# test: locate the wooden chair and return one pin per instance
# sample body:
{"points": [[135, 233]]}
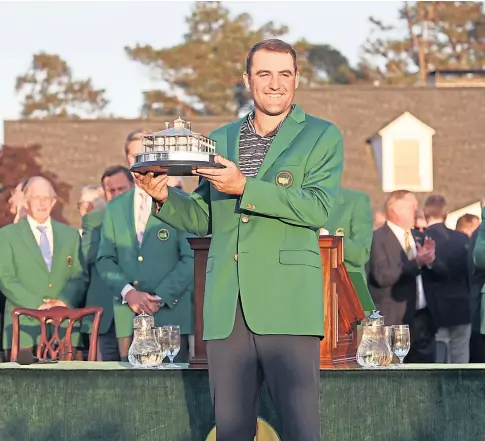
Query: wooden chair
{"points": [[56, 346]]}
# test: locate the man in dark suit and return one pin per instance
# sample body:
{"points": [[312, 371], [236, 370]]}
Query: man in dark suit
{"points": [[450, 291], [399, 266]]}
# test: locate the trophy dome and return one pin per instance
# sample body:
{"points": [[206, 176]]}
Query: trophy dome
{"points": [[178, 138]]}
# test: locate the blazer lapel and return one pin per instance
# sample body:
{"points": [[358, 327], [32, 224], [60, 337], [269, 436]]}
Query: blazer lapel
{"points": [[58, 257], [150, 229], [30, 242], [233, 132], [130, 207], [285, 136]]}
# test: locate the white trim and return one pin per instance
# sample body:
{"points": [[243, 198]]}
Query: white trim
{"points": [[405, 127]]}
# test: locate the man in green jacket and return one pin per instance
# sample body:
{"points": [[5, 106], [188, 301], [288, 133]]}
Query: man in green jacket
{"points": [[352, 217], [141, 259], [115, 181], [40, 263], [263, 305]]}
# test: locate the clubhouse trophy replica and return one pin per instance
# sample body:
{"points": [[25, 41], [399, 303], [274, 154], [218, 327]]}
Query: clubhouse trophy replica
{"points": [[175, 151]]}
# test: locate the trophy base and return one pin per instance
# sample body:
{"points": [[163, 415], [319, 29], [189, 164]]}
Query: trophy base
{"points": [[172, 168], [173, 163]]}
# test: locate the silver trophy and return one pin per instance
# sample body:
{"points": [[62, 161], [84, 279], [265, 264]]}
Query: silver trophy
{"points": [[175, 151]]}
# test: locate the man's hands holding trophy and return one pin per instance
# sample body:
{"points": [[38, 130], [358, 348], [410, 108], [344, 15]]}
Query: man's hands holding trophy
{"points": [[228, 179]]}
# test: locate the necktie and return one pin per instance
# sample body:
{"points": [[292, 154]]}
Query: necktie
{"points": [[408, 245], [143, 215], [45, 247]]}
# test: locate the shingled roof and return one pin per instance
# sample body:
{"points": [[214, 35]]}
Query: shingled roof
{"points": [[78, 151], [456, 114]]}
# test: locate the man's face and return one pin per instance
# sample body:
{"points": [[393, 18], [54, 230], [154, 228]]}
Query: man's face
{"points": [[273, 81], [40, 201], [132, 149], [115, 185], [407, 210], [84, 207], [16, 199]]}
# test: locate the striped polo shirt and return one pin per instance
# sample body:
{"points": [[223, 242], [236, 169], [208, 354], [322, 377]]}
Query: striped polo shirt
{"points": [[253, 147]]}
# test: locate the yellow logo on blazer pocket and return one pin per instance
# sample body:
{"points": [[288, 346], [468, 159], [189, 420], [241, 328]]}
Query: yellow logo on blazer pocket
{"points": [[284, 179]]}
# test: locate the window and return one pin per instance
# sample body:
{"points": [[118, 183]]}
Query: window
{"points": [[407, 155], [403, 152]]}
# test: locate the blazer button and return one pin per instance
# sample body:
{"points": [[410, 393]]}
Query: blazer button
{"points": [[50, 285], [136, 283], [245, 219], [140, 258], [175, 301], [235, 257]]}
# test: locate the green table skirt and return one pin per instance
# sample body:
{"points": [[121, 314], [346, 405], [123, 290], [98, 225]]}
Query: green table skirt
{"points": [[82, 401]]}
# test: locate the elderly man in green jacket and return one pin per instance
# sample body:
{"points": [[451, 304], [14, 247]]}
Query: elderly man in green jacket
{"points": [[263, 306], [352, 217], [40, 263]]}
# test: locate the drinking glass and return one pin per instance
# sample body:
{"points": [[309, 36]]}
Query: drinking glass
{"points": [[389, 331], [163, 344], [401, 342], [172, 338]]}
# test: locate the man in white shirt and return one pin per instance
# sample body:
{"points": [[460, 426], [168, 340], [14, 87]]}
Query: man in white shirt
{"points": [[401, 268], [39, 262]]}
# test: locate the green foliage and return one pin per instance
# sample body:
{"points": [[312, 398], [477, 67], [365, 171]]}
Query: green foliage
{"points": [[438, 35], [203, 71], [49, 90]]}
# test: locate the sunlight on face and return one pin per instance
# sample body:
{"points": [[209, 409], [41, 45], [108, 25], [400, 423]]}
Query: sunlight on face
{"points": [[40, 200], [132, 149], [272, 81]]}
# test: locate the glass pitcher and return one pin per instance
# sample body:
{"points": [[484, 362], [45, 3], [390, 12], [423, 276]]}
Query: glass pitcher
{"points": [[143, 321], [374, 350], [145, 351]]}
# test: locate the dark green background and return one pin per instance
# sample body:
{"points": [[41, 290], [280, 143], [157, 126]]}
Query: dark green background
{"points": [[445, 404]]}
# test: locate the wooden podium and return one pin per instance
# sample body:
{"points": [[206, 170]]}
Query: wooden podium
{"points": [[343, 311]]}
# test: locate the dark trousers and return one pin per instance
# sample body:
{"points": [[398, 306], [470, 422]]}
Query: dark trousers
{"points": [[289, 364], [477, 348], [124, 344], [423, 338], [108, 345]]}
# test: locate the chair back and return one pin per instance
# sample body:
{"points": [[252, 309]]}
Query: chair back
{"points": [[56, 347]]}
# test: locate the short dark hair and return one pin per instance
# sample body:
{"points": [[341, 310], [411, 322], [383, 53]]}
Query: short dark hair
{"points": [[435, 207], [465, 220], [270, 45], [114, 170], [134, 136]]}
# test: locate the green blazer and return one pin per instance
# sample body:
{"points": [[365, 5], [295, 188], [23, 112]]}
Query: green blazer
{"points": [[25, 280], [479, 261], [163, 265], [98, 291], [264, 244], [353, 213]]}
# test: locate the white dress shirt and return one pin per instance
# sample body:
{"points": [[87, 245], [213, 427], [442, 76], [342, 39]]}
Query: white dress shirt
{"points": [[400, 234], [50, 236], [138, 196]]}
